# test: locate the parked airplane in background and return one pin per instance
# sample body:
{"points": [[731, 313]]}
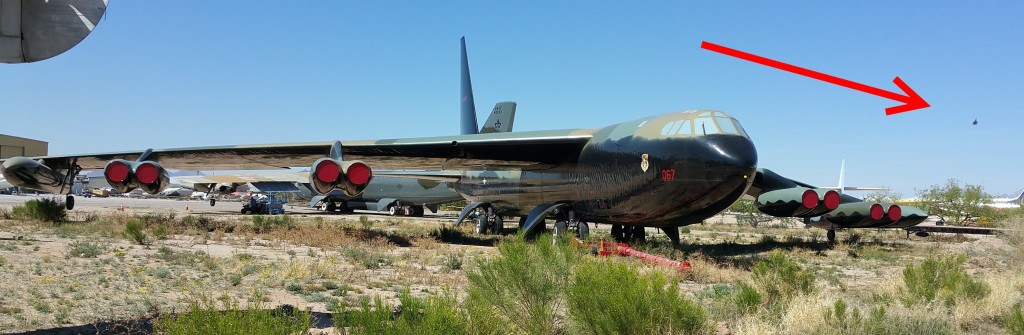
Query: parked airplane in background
{"points": [[1007, 202], [175, 192], [32, 31], [663, 171]]}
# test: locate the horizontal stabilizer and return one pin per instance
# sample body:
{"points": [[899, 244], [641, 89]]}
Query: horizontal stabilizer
{"points": [[501, 118]]}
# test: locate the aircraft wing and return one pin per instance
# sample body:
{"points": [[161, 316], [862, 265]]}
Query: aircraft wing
{"points": [[297, 177], [527, 150]]}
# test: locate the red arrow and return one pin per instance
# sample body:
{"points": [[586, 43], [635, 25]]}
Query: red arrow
{"points": [[911, 100]]}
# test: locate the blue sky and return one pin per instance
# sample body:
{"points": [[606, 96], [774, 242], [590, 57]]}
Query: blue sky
{"points": [[175, 74]]}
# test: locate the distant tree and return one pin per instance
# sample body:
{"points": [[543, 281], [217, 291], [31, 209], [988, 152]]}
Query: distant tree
{"points": [[953, 202], [887, 196], [747, 213]]}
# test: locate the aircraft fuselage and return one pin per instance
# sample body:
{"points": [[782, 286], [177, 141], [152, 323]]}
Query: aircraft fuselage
{"points": [[645, 172]]}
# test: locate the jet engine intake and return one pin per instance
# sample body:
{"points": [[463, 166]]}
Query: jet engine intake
{"points": [[797, 202], [349, 176], [125, 176]]}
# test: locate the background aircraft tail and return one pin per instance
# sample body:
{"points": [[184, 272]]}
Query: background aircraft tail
{"points": [[501, 118], [843, 188], [467, 106]]}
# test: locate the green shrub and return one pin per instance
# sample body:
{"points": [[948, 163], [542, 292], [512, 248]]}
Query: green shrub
{"points": [[431, 315], [162, 273], [524, 283], [160, 232], [452, 262], [265, 224], [1014, 321], [84, 249], [204, 317], [843, 319], [943, 279], [780, 279], [200, 223], [43, 209], [133, 230], [746, 297], [607, 297]]}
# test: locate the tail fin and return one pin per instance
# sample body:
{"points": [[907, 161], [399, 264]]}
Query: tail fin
{"points": [[467, 106], [842, 173], [842, 188], [501, 118], [1020, 197]]}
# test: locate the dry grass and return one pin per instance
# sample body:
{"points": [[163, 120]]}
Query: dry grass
{"points": [[225, 255]]}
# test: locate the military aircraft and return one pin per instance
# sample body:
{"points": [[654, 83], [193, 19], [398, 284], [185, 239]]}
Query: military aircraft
{"points": [[663, 171], [397, 196], [32, 31]]}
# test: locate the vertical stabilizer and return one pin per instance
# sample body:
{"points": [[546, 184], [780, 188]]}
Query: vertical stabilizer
{"points": [[501, 118], [467, 107], [842, 173]]}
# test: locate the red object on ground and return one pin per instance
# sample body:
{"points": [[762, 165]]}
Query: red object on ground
{"points": [[623, 249]]}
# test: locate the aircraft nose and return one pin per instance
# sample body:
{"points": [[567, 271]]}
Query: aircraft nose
{"points": [[731, 152]]}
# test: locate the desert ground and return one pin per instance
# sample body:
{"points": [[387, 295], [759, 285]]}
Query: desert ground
{"points": [[86, 275]]}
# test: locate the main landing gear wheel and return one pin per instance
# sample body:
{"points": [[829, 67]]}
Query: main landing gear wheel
{"points": [[617, 233], [392, 210], [213, 202], [481, 225], [582, 230], [331, 206], [831, 235], [69, 202], [499, 225], [560, 228]]}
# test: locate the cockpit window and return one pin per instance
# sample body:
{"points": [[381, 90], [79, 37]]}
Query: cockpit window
{"points": [[703, 123], [726, 125], [740, 128], [686, 129], [705, 126]]}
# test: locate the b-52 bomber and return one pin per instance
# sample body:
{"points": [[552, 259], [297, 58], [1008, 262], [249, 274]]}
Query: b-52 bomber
{"points": [[663, 171]]}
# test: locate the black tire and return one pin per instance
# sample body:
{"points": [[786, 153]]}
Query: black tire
{"points": [[69, 202], [244, 210], [213, 201], [417, 211], [331, 207], [831, 235], [639, 234], [499, 225], [561, 228], [618, 234], [481, 225], [582, 230]]}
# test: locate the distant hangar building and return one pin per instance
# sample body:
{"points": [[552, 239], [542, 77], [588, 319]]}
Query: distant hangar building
{"points": [[13, 146]]}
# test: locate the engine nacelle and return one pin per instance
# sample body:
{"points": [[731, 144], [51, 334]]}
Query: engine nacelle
{"points": [[328, 174], [856, 214], [797, 202], [26, 173], [907, 216], [125, 176]]}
